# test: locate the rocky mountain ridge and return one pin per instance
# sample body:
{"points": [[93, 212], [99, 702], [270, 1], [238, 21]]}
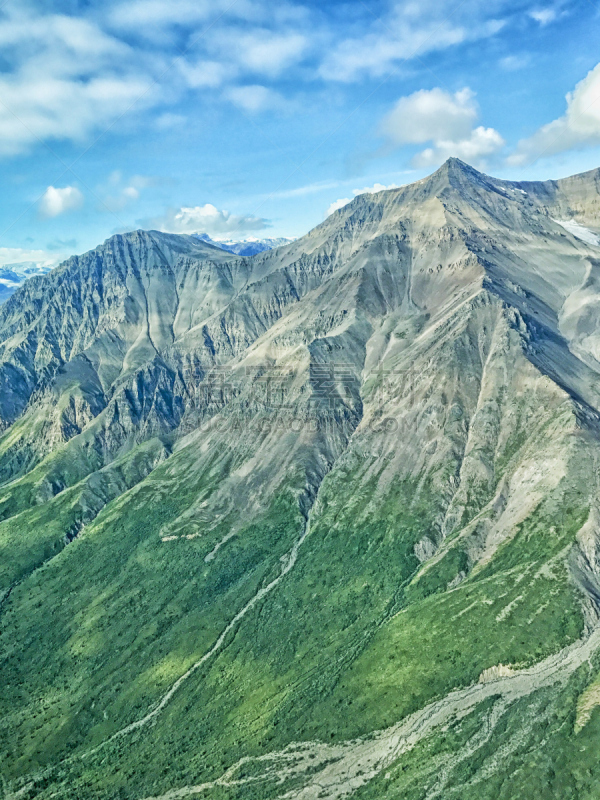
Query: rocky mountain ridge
{"points": [[304, 501]]}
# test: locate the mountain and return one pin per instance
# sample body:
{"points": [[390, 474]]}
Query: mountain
{"points": [[14, 275], [245, 247], [318, 523]]}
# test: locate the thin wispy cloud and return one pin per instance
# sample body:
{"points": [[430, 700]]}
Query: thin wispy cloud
{"points": [[407, 31], [254, 98], [544, 15], [120, 192]]}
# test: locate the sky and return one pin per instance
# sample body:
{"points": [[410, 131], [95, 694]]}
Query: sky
{"points": [[254, 118]]}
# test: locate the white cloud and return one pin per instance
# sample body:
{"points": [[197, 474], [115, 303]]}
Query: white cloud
{"points": [[515, 62], [265, 52], [168, 120], [544, 15], [430, 114], [578, 127], [300, 191], [58, 201], [482, 143], [254, 98], [446, 120], [66, 77], [407, 31], [18, 255], [205, 74], [63, 77], [119, 201], [375, 54], [119, 193], [205, 219], [154, 16], [377, 187], [343, 201]]}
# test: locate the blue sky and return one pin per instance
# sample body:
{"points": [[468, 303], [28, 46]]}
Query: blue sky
{"points": [[253, 118]]}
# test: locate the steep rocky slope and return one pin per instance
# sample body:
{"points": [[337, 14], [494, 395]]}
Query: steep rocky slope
{"points": [[318, 523]]}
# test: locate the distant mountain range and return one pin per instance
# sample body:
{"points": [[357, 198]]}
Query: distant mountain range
{"points": [[323, 522], [12, 276], [243, 247]]}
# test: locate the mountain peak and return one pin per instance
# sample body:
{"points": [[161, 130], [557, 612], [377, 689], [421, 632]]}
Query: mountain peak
{"points": [[456, 163], [456, 175], [455, 168]]}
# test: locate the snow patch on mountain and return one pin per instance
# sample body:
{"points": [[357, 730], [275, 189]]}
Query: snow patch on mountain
{"points": [[244, 247], [578, 230], [12, 276]]}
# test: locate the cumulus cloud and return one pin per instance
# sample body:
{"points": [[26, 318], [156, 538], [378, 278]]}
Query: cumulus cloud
{"points": [[340, 203], [479, 145], [343, 201], [430, 115], [377, 187], [59, 201], [446, 120], [205, 219], [578, 127]]}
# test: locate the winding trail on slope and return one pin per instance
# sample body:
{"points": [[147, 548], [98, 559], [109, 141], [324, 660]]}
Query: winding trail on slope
{"points": [[343, 768]]}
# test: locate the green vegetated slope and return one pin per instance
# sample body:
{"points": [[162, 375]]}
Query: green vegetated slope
{"points": [[355, 638], [393, 597]]}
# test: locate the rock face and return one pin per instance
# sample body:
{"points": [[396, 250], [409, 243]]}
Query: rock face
{"points": [[273, 525]]}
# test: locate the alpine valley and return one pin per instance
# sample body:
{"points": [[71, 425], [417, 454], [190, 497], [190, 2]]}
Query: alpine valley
{"points": [[322, 522]]}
